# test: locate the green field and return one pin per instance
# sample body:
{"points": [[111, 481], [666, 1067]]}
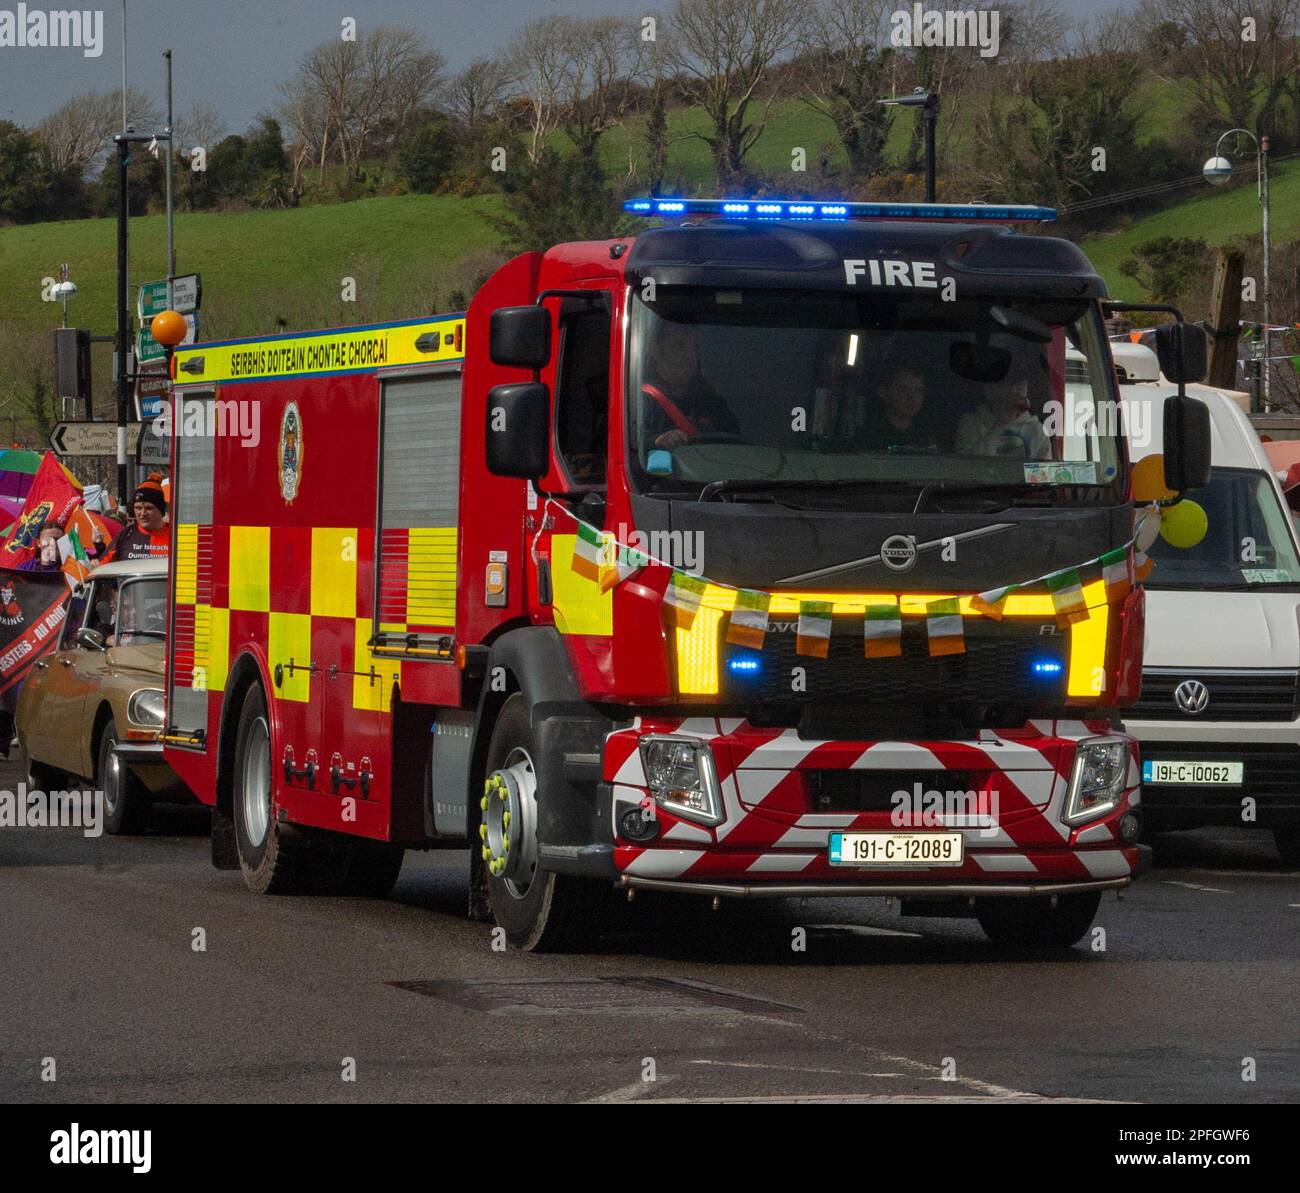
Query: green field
{"points": [[1213, 215], [260, 269]]}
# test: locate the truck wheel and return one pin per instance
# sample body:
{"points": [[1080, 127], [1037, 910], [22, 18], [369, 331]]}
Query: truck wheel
{"points": [[373, 867], [540, 911], [126, 802], [1287, 839], [271, 864], [1035, 923]]}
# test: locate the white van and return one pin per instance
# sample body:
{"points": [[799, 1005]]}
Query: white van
{"points": [[1219, 719]]}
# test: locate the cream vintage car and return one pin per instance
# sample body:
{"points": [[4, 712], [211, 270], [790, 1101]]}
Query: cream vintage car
{"points": [[92, 709]]}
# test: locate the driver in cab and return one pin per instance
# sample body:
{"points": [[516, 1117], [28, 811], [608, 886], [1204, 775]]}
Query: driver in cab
{"points": [[680, 405]]}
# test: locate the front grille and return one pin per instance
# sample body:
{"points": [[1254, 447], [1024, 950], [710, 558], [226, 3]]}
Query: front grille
{"points": [[996, 668], [1233, 695], [1269, 769], [877, 790]]}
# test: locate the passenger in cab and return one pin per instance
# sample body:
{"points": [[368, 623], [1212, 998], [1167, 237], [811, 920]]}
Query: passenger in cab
{"points": [[1004, 425]]}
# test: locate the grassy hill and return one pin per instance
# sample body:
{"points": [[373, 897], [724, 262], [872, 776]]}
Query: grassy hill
{"points": [[259, 267], [1215, 216]]}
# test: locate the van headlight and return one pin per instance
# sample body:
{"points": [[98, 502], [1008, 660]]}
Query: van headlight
{"points": [[1097, 780], [146, 708], [682, 778]]}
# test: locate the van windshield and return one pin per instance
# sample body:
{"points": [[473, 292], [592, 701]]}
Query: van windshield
{"points": [[754, 388], [1247, 542]]}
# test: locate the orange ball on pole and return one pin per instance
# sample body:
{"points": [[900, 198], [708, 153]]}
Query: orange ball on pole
{"points": [[168, 328]]}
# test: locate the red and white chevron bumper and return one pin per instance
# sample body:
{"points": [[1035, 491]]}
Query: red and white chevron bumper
{"points": [[777, 815]]}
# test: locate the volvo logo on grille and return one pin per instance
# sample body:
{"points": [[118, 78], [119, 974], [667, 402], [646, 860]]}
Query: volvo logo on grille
{"points": [[898, 552], [1191, 696]]}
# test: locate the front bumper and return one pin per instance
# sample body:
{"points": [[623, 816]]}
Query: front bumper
{"points": [[773, 839], [1269, 752]]}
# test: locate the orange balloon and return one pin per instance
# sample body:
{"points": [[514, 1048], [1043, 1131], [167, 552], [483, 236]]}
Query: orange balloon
{"points": [[1149, 479], [168, 328]]}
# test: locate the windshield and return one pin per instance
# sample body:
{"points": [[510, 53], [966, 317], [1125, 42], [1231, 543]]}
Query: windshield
{"points": [[141, 612], [776, 388], [1247, 542]]}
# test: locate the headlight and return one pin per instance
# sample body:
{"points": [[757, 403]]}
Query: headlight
{"points": [[1097, 781], [146, 708], [681, 776]]}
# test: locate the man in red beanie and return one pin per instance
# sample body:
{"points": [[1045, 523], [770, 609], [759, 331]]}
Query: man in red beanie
{"points": [[148, 537]]}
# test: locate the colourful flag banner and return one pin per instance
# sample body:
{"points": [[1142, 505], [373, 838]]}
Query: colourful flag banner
{"points": [[993, 602], [1067, 597], [53, 496], [682, 599], [748, 623], [591, 552], [76, 563], [943, 623], [813, 636], [882, 632], [629, 561], [1116, 574]]}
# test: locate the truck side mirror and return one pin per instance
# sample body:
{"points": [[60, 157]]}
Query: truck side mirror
{"points": [[1182, 351], [518, 430], [1187, 443], [520, 337]]}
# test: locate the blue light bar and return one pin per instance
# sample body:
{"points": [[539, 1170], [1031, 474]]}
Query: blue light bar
{"points": [[742, 665], [805, 209], [1048, 667]]}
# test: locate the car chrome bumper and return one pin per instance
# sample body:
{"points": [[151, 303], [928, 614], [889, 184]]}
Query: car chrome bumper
{"points": [[136, 753]]}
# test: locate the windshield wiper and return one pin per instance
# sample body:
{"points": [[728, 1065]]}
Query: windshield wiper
{"points": [[762, 485], [1015, 489]]}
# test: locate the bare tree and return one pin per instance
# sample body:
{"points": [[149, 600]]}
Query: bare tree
{"points": [[1237, 56], [201, 125], [537, 57], [599, 61], [476, 94], [76, 133], [845, 57], [725, 50], [345, 92]]}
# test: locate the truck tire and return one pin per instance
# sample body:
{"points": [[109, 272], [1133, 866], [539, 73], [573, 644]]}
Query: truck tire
{"points": [[1287, 839], [372, 868], [271, 864], [539, 910], [1035, 923], [126, 802]]}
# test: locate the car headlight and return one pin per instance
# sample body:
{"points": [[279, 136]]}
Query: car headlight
{"points": [[682, 778], [1097, 780], [146, 707]]}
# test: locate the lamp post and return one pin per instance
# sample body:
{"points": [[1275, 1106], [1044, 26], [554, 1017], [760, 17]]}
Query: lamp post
{"points": [[1217, 171], [928, 102]]}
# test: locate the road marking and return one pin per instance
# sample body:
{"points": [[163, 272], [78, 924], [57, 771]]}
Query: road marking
{"points": [[629, 1093], [1196, 886]]}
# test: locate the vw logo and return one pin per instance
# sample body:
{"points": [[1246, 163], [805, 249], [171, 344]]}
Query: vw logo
{"points": [[898, 552], [1191, 696]]}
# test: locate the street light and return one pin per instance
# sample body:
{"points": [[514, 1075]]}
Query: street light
{"points": [[1217, 171], [928, 102]]}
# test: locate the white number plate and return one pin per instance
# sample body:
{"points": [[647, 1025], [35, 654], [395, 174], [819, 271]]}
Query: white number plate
{"points": [[913, 851], [1200, 774]]}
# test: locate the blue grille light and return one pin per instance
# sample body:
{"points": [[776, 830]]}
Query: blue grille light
{"points": [[742, 665], [1048, 667], [769, 209]]}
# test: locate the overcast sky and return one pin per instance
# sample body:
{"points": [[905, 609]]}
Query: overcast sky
{"points": [[233, 53]]}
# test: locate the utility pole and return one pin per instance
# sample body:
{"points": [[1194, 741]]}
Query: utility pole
{"points": [[171, 237], [124, 357]]}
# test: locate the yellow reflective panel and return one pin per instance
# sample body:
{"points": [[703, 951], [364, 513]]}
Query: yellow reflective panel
{"points": [[580, 607], [1088, 645]]}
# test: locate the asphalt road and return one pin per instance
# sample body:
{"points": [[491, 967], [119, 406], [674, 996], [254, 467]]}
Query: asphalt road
{"points": [[99, 972]]}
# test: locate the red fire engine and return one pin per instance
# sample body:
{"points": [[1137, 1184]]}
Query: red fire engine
{"points": [[783, 550]]}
